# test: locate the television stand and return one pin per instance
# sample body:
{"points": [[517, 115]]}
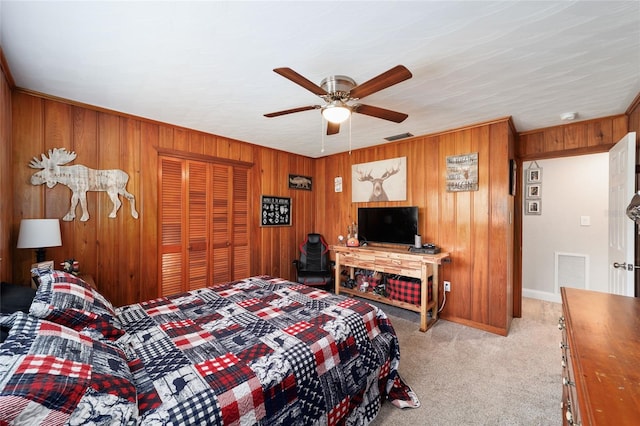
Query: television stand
{"points": [[394, 261]]}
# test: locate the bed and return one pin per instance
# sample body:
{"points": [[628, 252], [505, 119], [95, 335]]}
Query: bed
{"points": [[260, 350]]}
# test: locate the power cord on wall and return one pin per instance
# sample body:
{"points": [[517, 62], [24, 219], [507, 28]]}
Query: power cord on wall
{"points": [[444, 293]]}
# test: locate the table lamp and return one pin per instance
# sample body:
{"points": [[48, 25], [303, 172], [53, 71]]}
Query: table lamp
{"points": [[39, 234]]}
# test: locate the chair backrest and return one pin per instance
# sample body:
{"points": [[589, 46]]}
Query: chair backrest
{"points": [[314, 253]]}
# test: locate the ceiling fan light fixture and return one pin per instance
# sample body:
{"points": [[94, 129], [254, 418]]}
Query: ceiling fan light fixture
{"points": [[336, 112]]}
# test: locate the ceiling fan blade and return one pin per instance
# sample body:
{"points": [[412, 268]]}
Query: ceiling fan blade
{"points": [[300, 80], [291, 111], [394, 76], [385, 114], [332, 128]]}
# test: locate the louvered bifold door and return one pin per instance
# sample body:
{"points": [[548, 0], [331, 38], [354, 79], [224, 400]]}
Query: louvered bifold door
{"points": [[171, 213], [197, 237], [220, 258], [241, 261]]}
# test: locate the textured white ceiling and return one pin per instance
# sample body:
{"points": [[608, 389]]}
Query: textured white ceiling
{"points": [[208, 65]]}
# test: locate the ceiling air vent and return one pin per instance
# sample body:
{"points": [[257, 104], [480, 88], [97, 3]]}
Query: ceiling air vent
{"points": [[400, 136]]}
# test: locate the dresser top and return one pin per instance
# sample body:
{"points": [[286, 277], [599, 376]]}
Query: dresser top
{"points": [[604, 340], [388, 251]]}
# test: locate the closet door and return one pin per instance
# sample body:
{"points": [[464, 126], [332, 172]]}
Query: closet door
{"points": [[221, 238], [241, 260], [172, 184], [230, 219], [204, 224], [198, 181]]}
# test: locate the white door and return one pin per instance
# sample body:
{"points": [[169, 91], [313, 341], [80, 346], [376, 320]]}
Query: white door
{"points": [[622, 164]]}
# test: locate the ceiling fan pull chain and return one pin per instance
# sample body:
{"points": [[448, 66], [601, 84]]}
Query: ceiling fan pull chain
{"points": [[322, 132], [350, 135]]}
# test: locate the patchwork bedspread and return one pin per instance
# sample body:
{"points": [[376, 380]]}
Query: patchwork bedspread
{"points": [[259, 351], [262, 351]]}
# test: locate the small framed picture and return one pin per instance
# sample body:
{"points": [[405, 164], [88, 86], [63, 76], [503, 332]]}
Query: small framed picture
{"points": [[534, 190], [534, 175], [533, 207]]}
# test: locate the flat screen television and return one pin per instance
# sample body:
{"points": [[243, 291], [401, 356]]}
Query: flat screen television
{"points": [[394, 225]]}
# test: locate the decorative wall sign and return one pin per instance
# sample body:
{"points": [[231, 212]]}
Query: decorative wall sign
{"points": [[367, 180], [81, 179], [275, 211], [462, 172], [300, 182], [337, 184]]}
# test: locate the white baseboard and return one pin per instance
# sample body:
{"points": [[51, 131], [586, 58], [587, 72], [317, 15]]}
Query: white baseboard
{"points": [[541, 295]]}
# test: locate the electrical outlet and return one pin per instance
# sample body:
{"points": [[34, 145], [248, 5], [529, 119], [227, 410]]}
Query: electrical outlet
{"points": [[447, 286]]}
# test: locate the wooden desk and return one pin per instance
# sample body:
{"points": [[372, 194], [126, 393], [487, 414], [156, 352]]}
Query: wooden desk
{"points": [[600, 358], [394, 261]]}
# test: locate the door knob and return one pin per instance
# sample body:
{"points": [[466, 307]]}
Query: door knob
{"points": [[624, 265]]}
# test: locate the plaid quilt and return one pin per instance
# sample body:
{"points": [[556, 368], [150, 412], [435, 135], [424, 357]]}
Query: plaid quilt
{"points": [[52, 375], [261, 351]]}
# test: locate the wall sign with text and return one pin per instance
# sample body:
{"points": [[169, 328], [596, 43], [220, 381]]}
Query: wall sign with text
{"points": [[275, 211]]}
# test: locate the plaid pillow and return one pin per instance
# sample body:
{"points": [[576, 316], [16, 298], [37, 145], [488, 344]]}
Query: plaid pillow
{"points": [[51, 374], [67, 300]]}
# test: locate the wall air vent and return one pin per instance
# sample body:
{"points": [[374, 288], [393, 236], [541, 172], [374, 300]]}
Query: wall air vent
{"points": [[400, 136]]}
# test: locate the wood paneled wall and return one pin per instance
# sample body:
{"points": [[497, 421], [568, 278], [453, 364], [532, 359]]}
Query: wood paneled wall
{"points": [[582, 137], [475, 227], [6, 177], [121, 253]]}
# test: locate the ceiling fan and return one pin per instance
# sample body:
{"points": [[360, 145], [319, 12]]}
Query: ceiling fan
{"points": [[340, 93]]}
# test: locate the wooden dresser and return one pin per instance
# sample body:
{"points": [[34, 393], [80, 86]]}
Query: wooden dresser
{"points": [[600, 358]]}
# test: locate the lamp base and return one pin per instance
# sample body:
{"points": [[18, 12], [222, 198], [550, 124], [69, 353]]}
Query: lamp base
{"points": [[40, 255]]}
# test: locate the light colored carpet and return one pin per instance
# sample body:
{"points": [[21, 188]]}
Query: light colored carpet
{"points": [[464, 376]]}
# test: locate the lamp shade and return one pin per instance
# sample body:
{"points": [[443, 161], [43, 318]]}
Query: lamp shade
{"points": [[39, 233]]}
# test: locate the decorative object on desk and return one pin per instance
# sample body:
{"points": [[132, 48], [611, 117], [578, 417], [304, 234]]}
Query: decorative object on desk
{"points": [[462, 172], [300, 182], [39, 234], [341, 240], [275, 211], [394, 170], [71, 266], [533, 189], [418, 241], [81, 179], [352, 235]]}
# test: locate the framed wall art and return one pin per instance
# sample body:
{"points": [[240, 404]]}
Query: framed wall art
{"points": [[300, 182], [513, 173], [275, 211], [533, 206], [384, 180], [534, 175], [462, 172], [534, 190]]}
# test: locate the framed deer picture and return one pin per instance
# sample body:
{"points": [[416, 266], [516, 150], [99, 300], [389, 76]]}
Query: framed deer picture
{"points": [[384, 180]]}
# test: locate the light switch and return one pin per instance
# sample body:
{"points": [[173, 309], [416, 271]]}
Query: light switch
{"points": [[585, 220]]}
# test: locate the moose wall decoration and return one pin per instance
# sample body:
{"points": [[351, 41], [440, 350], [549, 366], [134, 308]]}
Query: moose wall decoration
{"points": [[81, 179], [367, 180]]}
